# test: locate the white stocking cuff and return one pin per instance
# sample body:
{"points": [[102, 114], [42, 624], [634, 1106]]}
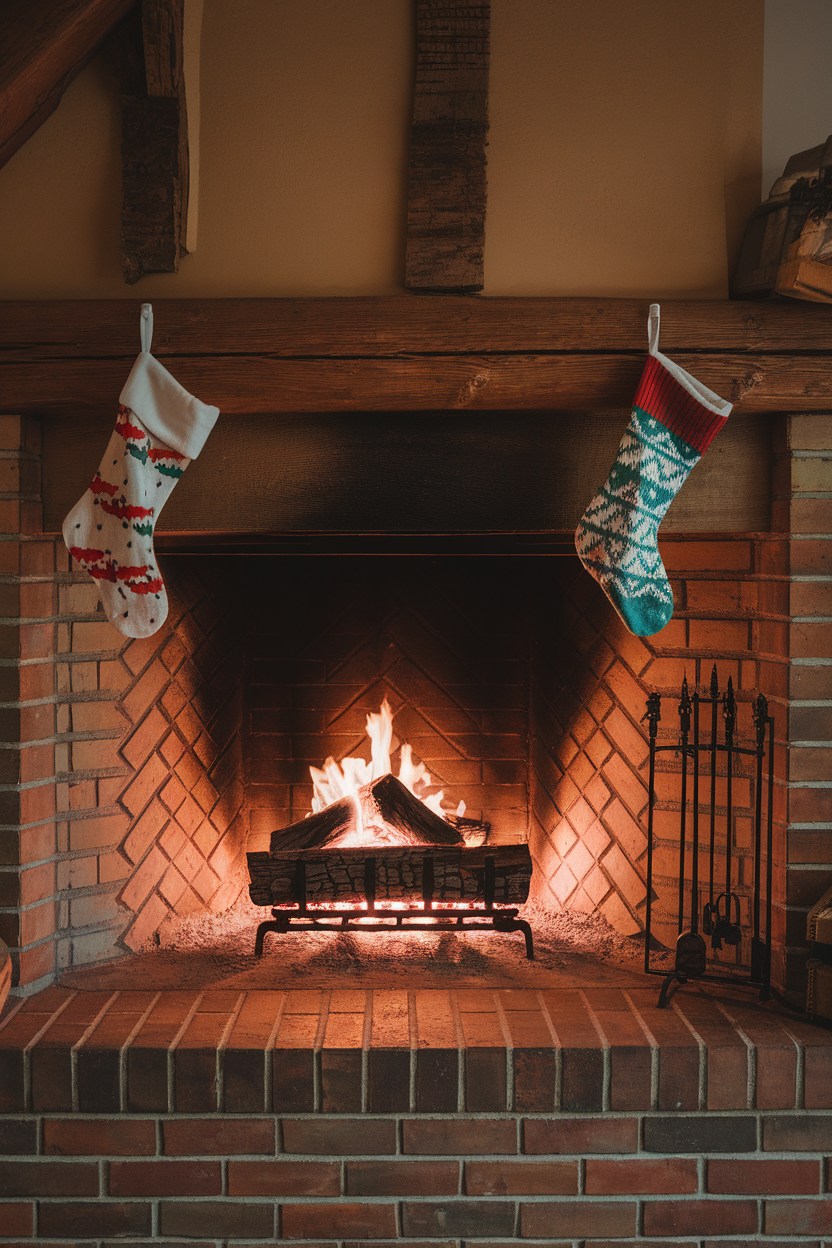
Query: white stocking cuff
{"points": [[166, 409]]}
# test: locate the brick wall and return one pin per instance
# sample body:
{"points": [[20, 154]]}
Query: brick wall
{"points": [[28, 642], [804, 508], [120, 761], [590, 682], [595, 1118]]}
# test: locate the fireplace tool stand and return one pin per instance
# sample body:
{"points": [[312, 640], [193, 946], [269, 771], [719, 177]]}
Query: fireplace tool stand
{"points": [[317, 918], [720, 917]]}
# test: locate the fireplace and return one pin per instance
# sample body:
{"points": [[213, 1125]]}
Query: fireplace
{"points": [[148, 769], [136, 775]]}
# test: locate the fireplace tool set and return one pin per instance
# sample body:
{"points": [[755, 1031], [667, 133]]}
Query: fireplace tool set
{"points": [[712, 907]]}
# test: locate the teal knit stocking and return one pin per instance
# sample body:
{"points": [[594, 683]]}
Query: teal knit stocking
{"points": [[674, 419]]}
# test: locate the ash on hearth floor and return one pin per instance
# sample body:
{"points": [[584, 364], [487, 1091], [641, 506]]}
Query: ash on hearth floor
{"points": [[571, 951]]}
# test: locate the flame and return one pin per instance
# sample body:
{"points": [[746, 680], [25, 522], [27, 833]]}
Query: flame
{"points": [[346, 779]]}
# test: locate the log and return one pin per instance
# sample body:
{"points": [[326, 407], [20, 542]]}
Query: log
{"points": [[447, 189], [387, 806], [447, 874]]}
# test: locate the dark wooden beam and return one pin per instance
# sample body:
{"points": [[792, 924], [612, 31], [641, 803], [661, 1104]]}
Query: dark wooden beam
{"points": [[373, 327], [44, 45], [406, 354], [148, 51], [447, 191]]}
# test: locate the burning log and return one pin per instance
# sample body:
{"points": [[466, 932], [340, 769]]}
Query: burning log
{"points": [[389, 815], [499, 873]]}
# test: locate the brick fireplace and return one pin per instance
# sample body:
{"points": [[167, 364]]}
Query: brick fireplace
{"points": [[137, 773]]}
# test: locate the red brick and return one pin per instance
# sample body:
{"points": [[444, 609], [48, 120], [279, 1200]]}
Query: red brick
{"points": [[632, 1178], [716, 554], [439, 1137], [17, 1217], [388, 1078], [678, 1053], [521, 1178], [147, 1057], [630, 1051], [700, 1217], [341, 1063], [727, 1052], [217, 1136], [340, 1137], [582, 1057], [577, 1218], [18, 1137], [576, 1135], [195, 1061], [83, 1219], [120, 1137], [798, 1217], [48, 1178], [221, 1218], [284, 1178], [51, 1057], [402, 1178], [468, 1217], [165, 1178], [293, 1066], [305, 1221], [742, 1176]]}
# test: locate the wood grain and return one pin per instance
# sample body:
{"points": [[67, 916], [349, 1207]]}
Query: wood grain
{"points": [[339, 874], [245, 385], [377, 327], [148, 52], [45, 45], [447, 186]]}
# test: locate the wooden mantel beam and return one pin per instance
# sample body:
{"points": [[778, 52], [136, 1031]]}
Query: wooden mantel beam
{"points": [[408, 354], [44, 45]]}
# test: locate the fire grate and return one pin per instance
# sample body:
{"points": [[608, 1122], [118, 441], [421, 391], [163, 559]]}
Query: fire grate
{"points": [[730, 915], [482, 880]]}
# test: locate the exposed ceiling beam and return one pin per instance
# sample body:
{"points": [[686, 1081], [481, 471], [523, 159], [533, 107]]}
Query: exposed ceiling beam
{"points": [[447, 187], [45, 44], [148, 49]]}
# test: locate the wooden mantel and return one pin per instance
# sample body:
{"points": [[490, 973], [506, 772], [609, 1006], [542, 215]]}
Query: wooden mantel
{"points": [[411, 352]]}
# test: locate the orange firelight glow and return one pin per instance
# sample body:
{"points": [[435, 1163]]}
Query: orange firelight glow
{"points": [[349, 779]]}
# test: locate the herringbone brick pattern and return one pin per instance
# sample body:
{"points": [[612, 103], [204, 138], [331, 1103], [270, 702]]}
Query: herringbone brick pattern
{"points": [[443, 640], [590, 679], [186, 836]]}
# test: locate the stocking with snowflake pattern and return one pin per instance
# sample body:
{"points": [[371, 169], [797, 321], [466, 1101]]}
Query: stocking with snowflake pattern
{"points": [[673, 421]]}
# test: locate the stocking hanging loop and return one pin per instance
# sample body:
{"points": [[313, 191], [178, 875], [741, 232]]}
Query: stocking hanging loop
{"points": [[146, 326], [652, 329]]}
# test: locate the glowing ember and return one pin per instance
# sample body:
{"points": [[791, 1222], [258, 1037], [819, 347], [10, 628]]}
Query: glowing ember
{"points": [[351, 777]]}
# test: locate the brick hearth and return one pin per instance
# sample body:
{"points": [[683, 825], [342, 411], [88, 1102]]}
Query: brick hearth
{"points": [[347, 1116]]}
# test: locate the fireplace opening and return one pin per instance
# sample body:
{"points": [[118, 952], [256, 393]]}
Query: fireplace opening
{"points": [[513, 689]]}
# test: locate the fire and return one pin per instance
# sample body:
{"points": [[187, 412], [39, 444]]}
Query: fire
{"points": [[338, 780]]}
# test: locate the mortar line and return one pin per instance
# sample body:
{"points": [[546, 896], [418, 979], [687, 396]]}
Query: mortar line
{"points": [[123, 1091], [73, 1052], [268, 1060]]}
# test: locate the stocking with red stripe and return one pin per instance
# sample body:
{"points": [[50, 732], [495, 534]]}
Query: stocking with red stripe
{"points": [[160, 428], [674, 420]]}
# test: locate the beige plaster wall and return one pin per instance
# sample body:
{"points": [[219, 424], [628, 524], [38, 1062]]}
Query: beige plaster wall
{"points": [[624, 154]]}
